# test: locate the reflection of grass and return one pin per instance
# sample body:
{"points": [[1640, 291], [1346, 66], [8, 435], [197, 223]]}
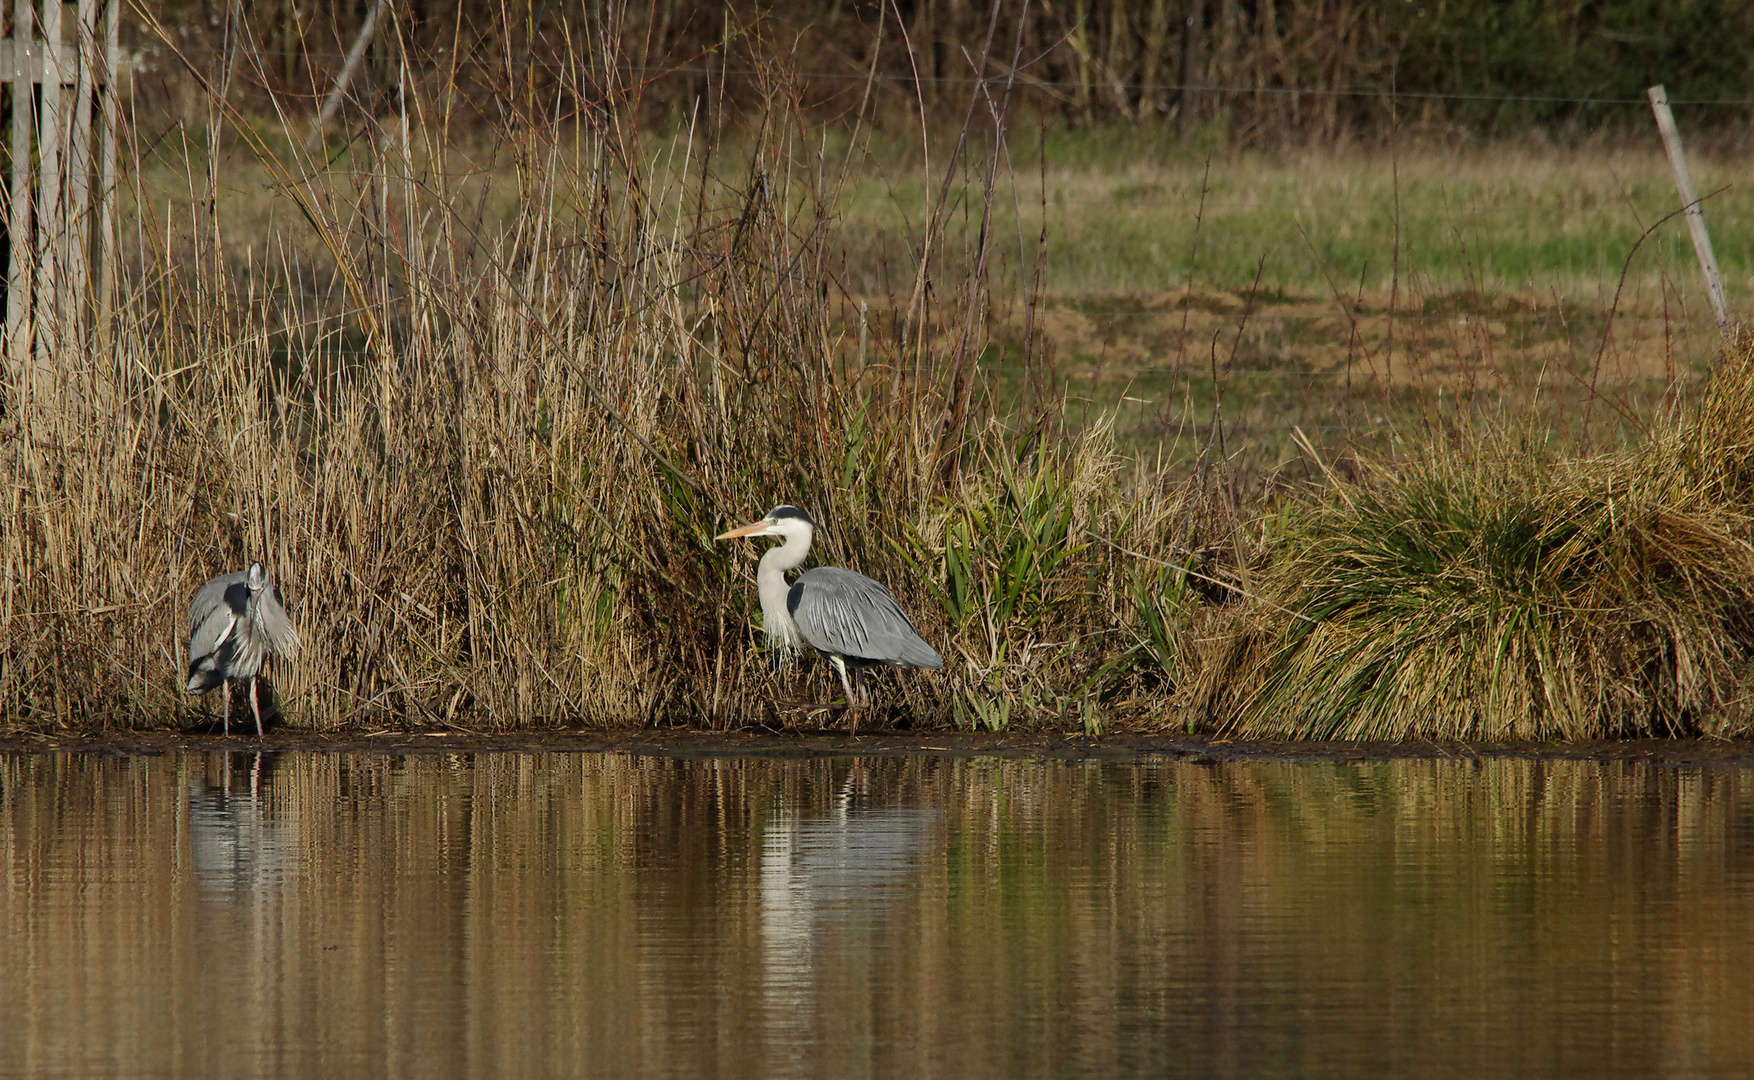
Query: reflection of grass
{"points": [[1486, 901]]}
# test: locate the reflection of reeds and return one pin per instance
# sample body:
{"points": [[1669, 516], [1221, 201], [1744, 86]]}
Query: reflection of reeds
{"points": [[567, 913], [1492, 590]]}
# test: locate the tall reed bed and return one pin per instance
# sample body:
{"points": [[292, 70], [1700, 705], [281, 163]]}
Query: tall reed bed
{"points": [[483, 438]]}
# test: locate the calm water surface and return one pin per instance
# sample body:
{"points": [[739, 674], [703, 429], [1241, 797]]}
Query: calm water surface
{"points": [[608, 915]]}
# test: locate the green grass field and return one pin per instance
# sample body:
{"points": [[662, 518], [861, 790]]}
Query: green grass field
{"points": [[1393, 288], [1121, 205]]}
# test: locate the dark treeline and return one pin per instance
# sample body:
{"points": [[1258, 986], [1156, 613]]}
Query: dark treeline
{"points": [[1255, 72]]}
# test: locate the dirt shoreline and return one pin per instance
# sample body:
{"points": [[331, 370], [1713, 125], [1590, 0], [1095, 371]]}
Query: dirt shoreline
{"points": [[682, 743]]}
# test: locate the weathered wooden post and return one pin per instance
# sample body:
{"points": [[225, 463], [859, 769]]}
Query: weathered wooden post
{"points": [[355, 56], [63, 150], [1714, 281], [51, 224], [19, 286]]}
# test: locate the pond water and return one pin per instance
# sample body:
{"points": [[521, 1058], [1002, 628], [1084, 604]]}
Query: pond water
{"points": [[618, 915]]}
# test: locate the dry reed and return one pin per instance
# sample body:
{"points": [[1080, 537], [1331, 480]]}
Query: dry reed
{"points": [[484, 453], [483, 439]]}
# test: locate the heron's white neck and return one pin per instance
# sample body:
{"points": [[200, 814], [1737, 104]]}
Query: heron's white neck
{"points": [[770, 585]]}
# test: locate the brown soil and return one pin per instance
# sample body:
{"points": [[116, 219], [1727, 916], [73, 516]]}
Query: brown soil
{"points": [[678, 743]]}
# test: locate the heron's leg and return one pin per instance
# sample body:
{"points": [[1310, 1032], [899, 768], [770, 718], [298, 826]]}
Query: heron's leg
{"points": [[840, 668], [225, 715], [858, 703], [846, 682], [255, 706]]}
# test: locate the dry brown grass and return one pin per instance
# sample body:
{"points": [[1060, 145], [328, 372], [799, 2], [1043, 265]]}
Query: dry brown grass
{"points": [[484, 454], [1487, 587], [482, 407]]}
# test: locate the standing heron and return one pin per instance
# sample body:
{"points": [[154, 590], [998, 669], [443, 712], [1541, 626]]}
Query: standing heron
{"points": [[851, 620], [234, 621]]}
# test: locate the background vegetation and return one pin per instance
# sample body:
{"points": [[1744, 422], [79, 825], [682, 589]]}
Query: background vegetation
{"points": [[485, 449], [480, 376], [1258, 72]]}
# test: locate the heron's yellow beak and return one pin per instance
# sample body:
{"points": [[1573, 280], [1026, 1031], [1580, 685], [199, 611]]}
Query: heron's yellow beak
{"points": [[752, 529]]}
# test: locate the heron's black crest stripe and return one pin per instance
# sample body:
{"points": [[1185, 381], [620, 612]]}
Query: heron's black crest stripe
{"points": [[786, 510], [237, 597]]}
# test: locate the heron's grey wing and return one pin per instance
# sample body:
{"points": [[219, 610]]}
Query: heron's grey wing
{"points": [[210, 598], [211, 649], [273, 624], [212, 633], [845, 613]]}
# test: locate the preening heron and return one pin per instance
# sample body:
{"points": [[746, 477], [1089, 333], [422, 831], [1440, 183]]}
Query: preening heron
{"points": [[234, 621], [851, 620]]}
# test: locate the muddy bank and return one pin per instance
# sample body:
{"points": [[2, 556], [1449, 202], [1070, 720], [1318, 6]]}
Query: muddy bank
{"points": [[679, 743]]}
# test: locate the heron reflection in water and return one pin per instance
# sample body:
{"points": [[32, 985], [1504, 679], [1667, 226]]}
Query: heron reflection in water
{"points": [[850, 619], [831, 880], [240, 841]]}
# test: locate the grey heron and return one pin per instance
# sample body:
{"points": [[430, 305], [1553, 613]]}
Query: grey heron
{"points": [[234, 621], [850, 619]]}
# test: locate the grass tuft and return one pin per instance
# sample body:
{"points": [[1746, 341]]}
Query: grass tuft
{"points": [[1485, 589]]}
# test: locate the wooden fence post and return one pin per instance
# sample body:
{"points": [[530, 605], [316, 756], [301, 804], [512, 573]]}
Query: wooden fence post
{"points": [[1714, 281], [20, 280], [60, 213], [354, 56], [51, 220], [104, 63]]}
